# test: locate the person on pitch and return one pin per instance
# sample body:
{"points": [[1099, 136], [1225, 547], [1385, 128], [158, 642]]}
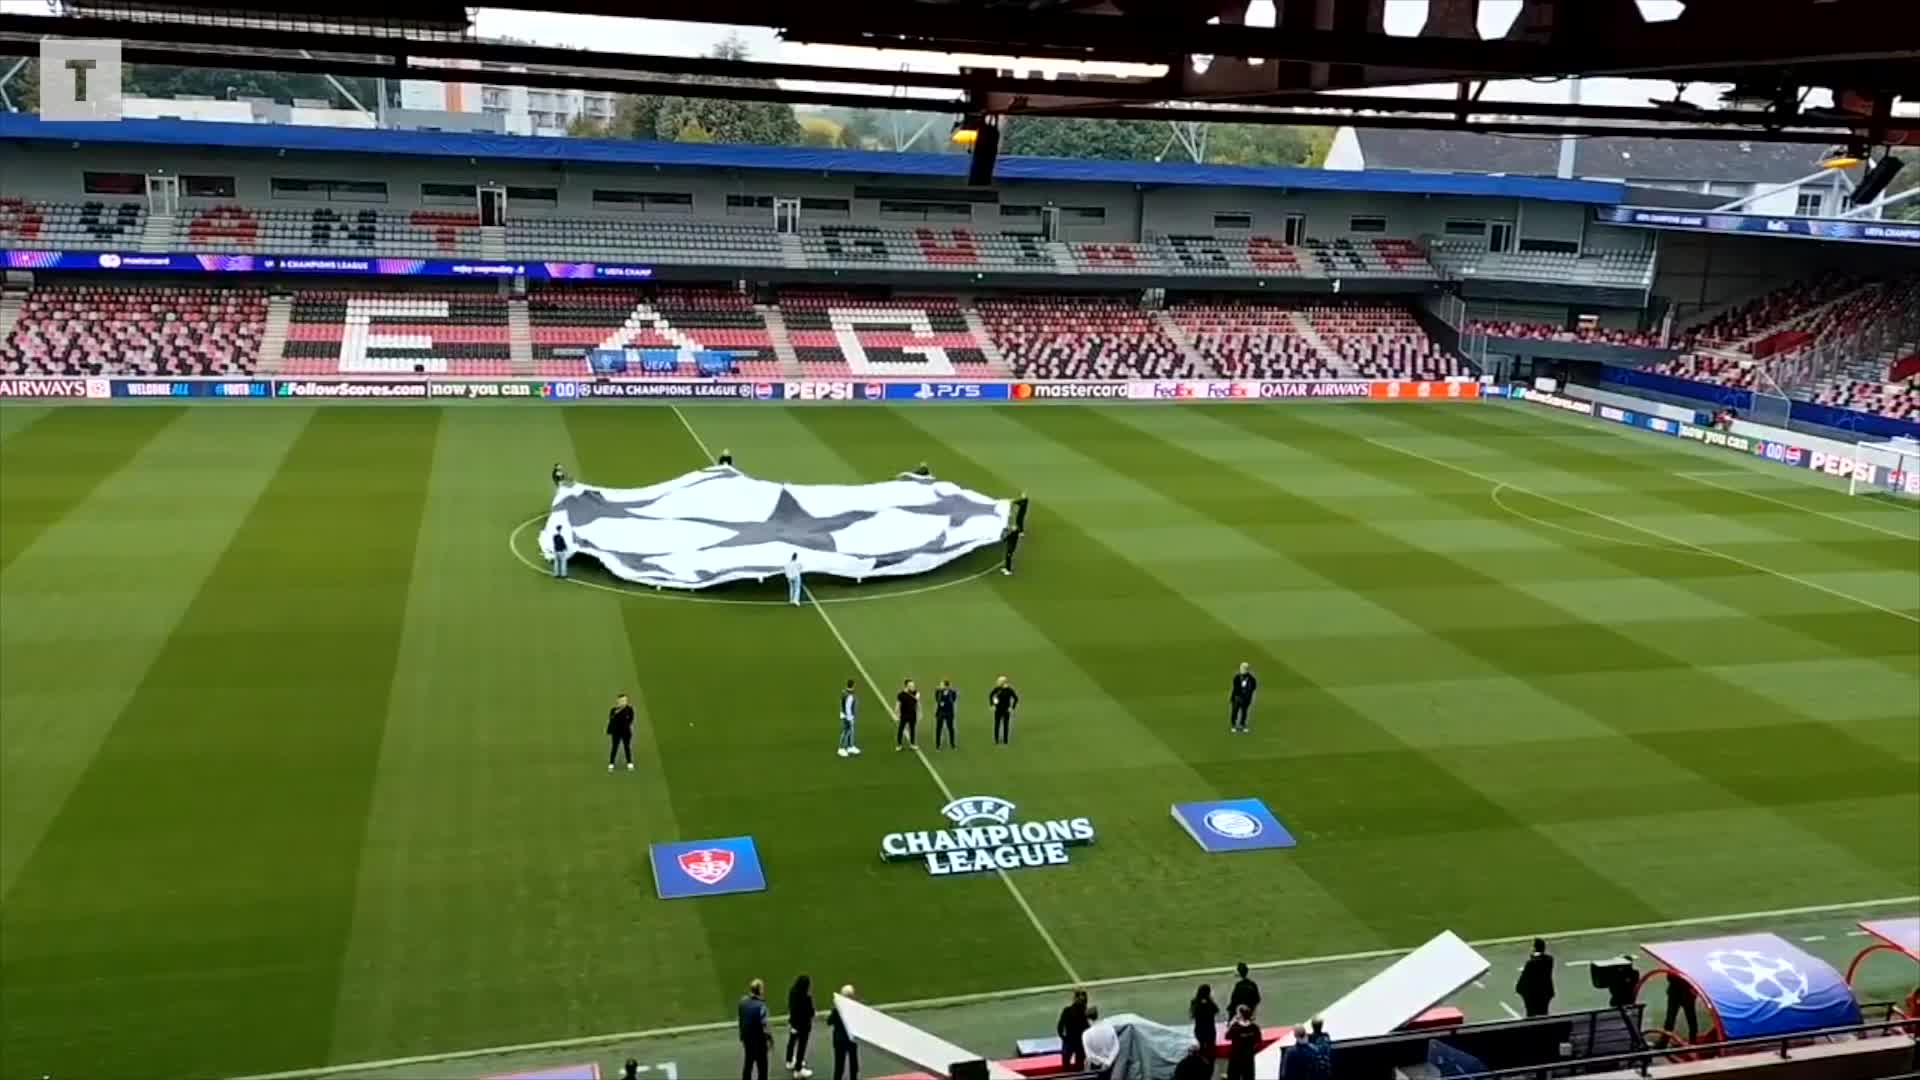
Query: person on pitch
{"points": [[1020, 512], [620, 730], [725, 458], [1004, 700], [1011, 543], [1534, 987], [561, 552], [559, 475], [945, 698], [848, 702], [794, 586], [1241, 698], [922, 470], [908, 709]]}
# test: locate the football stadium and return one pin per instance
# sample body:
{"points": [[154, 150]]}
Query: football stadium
{"points": [[1457, 600]]}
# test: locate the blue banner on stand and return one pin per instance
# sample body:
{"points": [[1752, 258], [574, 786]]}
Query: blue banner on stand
{"points": [[1232, 825], [707, 868]]}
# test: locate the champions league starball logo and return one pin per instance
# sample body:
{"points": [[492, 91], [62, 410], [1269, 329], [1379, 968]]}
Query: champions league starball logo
{"points": [[1760, 976], [986, 837]]}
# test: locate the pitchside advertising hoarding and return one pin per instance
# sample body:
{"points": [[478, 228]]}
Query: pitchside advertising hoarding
{"points": [[1837, 465], [958, 391], [186, 263]]}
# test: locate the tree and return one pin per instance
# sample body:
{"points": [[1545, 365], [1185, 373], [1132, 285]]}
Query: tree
{"points": [[1257, 144], [1906, 180], [761, 123], [24, 88], [1105, 140], [167, 81]]}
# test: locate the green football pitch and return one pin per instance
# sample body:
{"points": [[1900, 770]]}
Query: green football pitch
{"points": [[301, 758]]}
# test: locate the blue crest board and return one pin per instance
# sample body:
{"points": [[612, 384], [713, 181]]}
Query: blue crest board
{"points": [[707, 868], [1232, 825], [1761, 985]]}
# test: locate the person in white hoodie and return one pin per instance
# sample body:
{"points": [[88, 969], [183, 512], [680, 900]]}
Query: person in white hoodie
{"points": [[794, 588]]}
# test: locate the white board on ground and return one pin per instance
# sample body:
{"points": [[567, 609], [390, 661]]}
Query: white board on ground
{"points": [[908, 1043], [1408, 987]]}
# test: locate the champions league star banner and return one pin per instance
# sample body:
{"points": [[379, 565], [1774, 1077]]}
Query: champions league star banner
{"points": [[718, 524], [707, 868], [1232, 825], [1760, 985]]}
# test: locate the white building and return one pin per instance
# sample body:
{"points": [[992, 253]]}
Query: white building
{"points": [[1724, 170], [244, 110], [521, 110]]}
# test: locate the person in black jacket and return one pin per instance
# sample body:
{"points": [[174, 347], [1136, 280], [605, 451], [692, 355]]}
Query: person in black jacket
{"points": [[799, 1026], [725, 458], [1241, 698], [1004, 699], [561, 552], [846, 1052], [1010, 543], [945, 700], [559, 475], [620, 731], [1535, 984], [1680, 999], [1245, 992], [1205, 1016], [1071, 1027], [1196, 1065], [1243, 1043], [1020, 512]]}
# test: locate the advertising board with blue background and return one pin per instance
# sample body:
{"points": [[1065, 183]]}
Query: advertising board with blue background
{"points": [[707, 868], [1232, 825]]}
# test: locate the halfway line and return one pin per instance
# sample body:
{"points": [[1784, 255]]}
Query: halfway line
{"points": [[1019, 898], [1622, 522]]}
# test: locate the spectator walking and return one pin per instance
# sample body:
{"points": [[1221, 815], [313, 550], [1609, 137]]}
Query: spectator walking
{"points": [[846, 1052], [799, 1026], [1205, 1016], [1243, 1043], [1245, 992], [1072, 1029], [1535, 984], [756, 1037], [1102, 1042]]}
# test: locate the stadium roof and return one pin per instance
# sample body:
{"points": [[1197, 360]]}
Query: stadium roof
{"points": [[845, 162], [1624, 158]]}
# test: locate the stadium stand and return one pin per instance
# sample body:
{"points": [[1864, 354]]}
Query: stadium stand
{"points": [[324, 230], [675, 243], [93, 226], [1380, 341], [1058, 337], [1257, 256], [1254, 341], [1540, 331], [1775, 310], [842, 333], [569, 321], [1592, 269], [397, 331], [1705, 367], [141, 330], [1900, 400]]}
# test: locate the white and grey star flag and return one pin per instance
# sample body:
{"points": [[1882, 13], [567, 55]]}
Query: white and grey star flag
{"points": [[717, 525]]}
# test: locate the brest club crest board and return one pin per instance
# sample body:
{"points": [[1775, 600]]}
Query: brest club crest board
{"points": [[707, 868]]}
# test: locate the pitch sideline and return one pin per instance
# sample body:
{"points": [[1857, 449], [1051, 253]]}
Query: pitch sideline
{"points": [[584, 1041]]}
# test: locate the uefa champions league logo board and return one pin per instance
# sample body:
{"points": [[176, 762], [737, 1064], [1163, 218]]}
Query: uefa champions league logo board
{"points": [[1232, 825], [1760, 984], [707, 868], [985, 837]]}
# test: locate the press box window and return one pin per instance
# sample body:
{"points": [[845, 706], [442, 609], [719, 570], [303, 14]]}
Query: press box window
{"points": [[207, 187], [1367, 225], [113, 183], [1232, 222]]}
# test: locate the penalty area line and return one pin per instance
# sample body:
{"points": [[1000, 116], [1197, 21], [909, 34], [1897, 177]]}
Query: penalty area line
{"points": [[1624, 523], [586, 1041]]}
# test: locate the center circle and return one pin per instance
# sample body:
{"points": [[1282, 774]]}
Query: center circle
{"points": [[689, 597]]}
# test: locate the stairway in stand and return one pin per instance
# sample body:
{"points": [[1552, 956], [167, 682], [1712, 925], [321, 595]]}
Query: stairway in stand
{"points": [[1178, 335], [273, 337], [782, 344], [997, 365], [520, 336]]}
